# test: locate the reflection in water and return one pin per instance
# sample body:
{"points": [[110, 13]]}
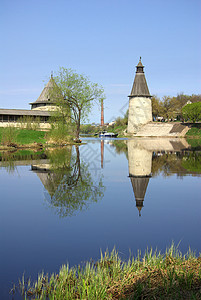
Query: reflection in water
{"points": [[10, 159], [109, 222], [148, 157], [102, 153], [139, 162], [69, 185]]}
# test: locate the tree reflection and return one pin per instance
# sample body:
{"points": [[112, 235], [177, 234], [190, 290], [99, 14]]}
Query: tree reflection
{"points": [[71, 186], [11, 159], [180, 163]]}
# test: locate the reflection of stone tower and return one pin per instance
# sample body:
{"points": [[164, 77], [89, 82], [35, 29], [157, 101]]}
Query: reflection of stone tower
{"points": [[140, 109], [139, 161]]}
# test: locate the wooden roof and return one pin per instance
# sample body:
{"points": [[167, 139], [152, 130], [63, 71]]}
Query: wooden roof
{"points": [[24, 112], [45, 96], [140, 87]]}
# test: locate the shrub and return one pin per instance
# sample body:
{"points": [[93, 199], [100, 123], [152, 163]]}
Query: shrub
{"points": [[9, 135], [28, 122], [59, 134]]}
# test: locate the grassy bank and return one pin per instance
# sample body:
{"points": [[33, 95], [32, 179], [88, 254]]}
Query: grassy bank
{"points": [[17, 138], [21, 136], [195, 131], [154, 276]]}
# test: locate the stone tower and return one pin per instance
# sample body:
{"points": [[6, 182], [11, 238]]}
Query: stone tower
{"points": [[45, 101], [140, 109]]}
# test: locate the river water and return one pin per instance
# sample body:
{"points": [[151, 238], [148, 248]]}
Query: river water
{"points": [[65, 205]]}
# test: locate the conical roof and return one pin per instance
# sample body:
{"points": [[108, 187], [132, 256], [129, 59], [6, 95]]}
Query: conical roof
{"points": [[139, 185], [46, 94], [140, 87]]}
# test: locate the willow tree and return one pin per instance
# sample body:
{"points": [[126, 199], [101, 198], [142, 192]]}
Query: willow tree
{"points": [[79, 95]]}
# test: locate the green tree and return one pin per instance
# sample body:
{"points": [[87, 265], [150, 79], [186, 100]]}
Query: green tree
{"points": [[77, 94], [168, 108], [192, 112], [157, 107]]}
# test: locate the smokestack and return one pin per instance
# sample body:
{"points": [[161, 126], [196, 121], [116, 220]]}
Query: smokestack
{"points": [[102, 113]]}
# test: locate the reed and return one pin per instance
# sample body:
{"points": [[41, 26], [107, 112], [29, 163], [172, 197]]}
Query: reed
{"points": [[154, 276]]}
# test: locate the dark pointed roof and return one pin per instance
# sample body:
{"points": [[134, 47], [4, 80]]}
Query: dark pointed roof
{"points": [[140, 87], [45, 96], [139, 185]]}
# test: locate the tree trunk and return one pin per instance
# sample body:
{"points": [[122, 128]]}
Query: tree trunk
{"points": [[77, 137]]}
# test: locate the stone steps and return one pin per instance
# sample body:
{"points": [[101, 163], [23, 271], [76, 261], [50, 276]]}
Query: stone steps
{"points": [[163, 129]]}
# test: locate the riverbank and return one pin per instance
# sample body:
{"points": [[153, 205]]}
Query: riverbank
{"points": [[25, 138], [153, 276], [12, 138], [175, 129]]}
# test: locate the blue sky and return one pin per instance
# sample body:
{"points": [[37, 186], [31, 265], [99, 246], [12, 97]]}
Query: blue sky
{"points": [[104, 40]]}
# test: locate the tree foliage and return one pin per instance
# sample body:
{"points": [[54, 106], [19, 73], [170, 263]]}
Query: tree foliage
{"points": [[79, 95], [171, 107], [192, 112]]}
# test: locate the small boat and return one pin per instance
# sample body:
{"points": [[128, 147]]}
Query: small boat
{"points": [[108, 134]]}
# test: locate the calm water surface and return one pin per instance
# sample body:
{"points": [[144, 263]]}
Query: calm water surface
{"points": [[66, 205]]}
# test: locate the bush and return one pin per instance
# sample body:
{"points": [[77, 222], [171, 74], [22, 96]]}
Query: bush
{"points": [[9, 135], [60, 134], [29, 123]]}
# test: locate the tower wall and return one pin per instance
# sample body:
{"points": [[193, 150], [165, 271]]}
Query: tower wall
{"points": [[45, 108], [139, 159], [140, 113]]}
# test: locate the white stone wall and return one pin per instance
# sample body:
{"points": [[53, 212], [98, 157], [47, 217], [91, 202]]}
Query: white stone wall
{"points": [[42, 126], [45, 108], [140, 113], [139, 159]]}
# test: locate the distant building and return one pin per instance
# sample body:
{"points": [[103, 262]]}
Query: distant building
{"points": [[111, 123], [40, 110], [188, 102]]}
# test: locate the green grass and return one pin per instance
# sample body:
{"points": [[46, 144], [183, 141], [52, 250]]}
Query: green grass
{"points": [[195, 131], [153, 276], [25, 136]]}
